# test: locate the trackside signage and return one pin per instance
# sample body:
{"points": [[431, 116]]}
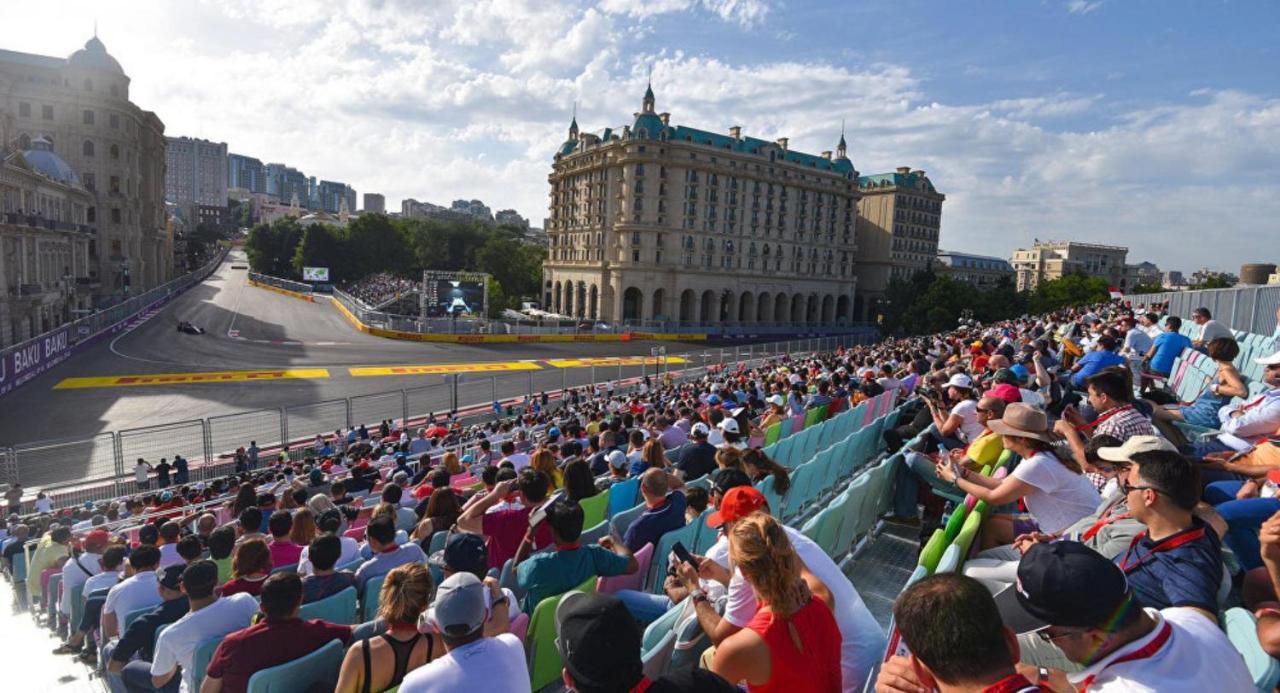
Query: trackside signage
{"points": [[33, 358]]}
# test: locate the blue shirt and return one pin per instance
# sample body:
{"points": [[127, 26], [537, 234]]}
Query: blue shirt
{"points": [[1169, 346], [1185, 573], [655, 522], [1092, 363], [548, 574]]}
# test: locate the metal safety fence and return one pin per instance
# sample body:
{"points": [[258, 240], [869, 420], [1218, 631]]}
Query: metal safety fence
{"points": [[1244, 308], [102, 466]]}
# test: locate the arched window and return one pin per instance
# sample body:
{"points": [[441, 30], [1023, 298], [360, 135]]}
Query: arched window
{"points": [[88, 148]]}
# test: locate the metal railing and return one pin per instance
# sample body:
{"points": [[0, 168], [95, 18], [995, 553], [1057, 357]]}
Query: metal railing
{"points": [[99, 467], [1244, 308], [281, 283]]}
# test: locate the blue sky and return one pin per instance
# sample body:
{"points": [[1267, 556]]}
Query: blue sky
{"points": [[1149, 124]]}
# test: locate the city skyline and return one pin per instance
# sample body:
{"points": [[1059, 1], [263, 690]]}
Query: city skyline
{"points": [[1123, 126]]}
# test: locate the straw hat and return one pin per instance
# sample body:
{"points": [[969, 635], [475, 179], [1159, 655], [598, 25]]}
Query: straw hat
{"points": [[1022, 421]]}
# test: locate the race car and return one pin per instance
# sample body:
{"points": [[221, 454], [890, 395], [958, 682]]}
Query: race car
{"points": [[184, 326]]}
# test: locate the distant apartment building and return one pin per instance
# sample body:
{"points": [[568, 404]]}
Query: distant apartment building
{"points": [[510, 217], [983, 271], [1049, 260], [331, 196], [1141, 274], [473, 208], [246, 172], [195, 172], [899, 221], [375, 202], [283, 183], [1172, 278]]}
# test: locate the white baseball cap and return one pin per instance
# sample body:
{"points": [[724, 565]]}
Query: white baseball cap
{"points": [[617, 459], [729, 425], [700, 429], [1269, 360], [776, 400], [961, 381], [1135, 445]]}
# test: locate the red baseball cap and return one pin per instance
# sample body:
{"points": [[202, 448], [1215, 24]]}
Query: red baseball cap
{"points": [[737, 503], [96, 540], [1005, 391]]}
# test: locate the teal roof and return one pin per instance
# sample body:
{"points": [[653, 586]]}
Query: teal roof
{"points": [[909, 180], [651, 124]]}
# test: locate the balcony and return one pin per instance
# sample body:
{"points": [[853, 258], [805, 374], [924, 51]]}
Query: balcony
{"points": [[36, 221]]}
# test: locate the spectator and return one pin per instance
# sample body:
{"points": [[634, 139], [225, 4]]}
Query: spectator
{"points": [[619, 467], [189, 549], [1102, 356], [1226, 384], [162, 473], [441, 513], [465, 553], [1110, 395], [181, 472], [249, 526], [170, 532], [956, 640], [405, 519], [77, 571], [1137, 341], [665, 504], [53, 549], [381, 662], [1247, 421], [508, 522], [474, 662], [380, 534], [1055, 491], [1080, 602], [548, 574], [280, 637], [649, 456], [792, 643], [283, 551], [600, 645], [250, 567], [668, 434], [1167, 347], [1210, 329], [208, 617], [222, 542], [330, 522], [759, 466], [984, 450], [141, 474], [304, 526], [696, 458], [696, 499], [135, 592], [1262, 585], [518, 460], [578, 482], [139, 639], [322, 580]]}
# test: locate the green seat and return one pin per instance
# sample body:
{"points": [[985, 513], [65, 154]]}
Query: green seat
{"points": [[964, 540], [594, 508], [540, 640], [320, 668], [77, 605], [932, 551], [772, 434], [336, 608], [955, 522], [369, 600], [291, 568]]}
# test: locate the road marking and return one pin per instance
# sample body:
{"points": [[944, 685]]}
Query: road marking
{"points": [[612, 361], [445, 368], [192, 378]]}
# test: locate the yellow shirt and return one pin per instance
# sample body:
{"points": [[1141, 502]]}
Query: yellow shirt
{"points": [[593, 428], [45, 556], [986, 449]]}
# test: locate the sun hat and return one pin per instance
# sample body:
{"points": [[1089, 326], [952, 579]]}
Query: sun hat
{"points": [[1022, 421]]}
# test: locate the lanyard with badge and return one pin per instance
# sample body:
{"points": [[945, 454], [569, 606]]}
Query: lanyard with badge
{"points": [[1159, 547]]}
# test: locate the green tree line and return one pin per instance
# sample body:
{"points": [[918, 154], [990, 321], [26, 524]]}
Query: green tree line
{"points": [[928, 302], [374, 243]]}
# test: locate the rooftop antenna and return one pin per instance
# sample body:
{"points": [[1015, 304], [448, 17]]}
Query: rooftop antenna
{"points": [[842, 128]]}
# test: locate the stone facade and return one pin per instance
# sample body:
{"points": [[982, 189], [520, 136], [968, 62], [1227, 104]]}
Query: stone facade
{"points": [[654, 222], [982, 271], [195, 172], [116, 150], [45, 263], [899, 222], [1055, 259]]}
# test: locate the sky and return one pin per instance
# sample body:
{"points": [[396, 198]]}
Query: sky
{"points": [[1153, 124]]}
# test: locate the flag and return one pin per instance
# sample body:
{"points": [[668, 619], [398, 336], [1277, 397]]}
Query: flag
{"points": [[1115, 293]]}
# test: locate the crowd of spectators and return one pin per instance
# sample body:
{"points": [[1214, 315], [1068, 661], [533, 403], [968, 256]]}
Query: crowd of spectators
{"points": [[377, 288], [1102, 564]]}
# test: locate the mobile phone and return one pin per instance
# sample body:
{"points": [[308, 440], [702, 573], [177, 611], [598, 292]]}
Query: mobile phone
{"points": [[683, 554]]}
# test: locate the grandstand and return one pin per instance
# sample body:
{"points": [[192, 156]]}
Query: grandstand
{"points": [[825, 418]]}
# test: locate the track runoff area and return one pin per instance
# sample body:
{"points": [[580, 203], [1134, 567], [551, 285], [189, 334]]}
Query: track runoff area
{"points": [[276, 374]]}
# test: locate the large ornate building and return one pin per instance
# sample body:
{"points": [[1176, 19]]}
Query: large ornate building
{"points": [[80, 106], [44, 243], [659, 222], [899, 220], [1049, 260]]}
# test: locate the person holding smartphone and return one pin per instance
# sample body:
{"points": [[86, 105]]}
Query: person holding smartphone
{"points": [[570, 564]]}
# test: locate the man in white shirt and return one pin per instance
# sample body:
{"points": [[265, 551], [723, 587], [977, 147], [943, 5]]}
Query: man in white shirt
{"points": [[78, 569], [1079, 601], [208, 617], [1242, 424], [1210, 329], [170, 533], [112, 568], [135, 592], [474, 662]]}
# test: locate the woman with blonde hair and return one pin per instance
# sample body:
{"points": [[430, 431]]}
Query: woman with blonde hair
{"points": [[380, 662], [545, 462], [652, 456], [729, 458], [792, 644], [250, 567], [452, 464], [304, 527]]}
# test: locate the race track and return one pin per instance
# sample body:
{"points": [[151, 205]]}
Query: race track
{"points": [[266, 350]]}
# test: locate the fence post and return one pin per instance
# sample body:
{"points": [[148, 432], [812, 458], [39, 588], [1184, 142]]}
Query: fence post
{"points": [[1253, 315], [457, 378], [493, 387], [207, 436], [530, 375], [118, 453], [347, 402], [593, 379], [404, 405], [284, 429], [620, 370], [564, 382]]}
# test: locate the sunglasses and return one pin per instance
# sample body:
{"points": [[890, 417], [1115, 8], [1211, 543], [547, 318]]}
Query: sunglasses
{"points": [[1046, 637], [1127, 488]]}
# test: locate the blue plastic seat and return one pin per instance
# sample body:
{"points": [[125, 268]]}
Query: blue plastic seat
{"points": [[318, 668], [1242, 629], [623, 495], [369, 600], [336, 608]]}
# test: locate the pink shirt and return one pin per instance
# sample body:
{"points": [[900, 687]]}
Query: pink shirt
{"points": [[284, 553]]}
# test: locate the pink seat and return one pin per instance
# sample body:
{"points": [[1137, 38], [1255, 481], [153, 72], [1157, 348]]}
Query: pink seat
{"points": [[356, 533], [635, 581], [520, 626], [463, 481], [797, 423]]}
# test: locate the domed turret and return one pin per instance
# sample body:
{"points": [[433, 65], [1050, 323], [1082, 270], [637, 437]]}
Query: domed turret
{"points": [[94, 55], [43, 160]]}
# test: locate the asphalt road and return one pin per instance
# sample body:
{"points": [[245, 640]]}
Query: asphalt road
{"points": [[250, 328]]}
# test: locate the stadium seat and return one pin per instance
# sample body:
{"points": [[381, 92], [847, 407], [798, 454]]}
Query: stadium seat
{"points": [[540, 640], [202, 656], [591, 535], [318, 668], [77, 605], [1241, 628], [950, 561], [932, 551], [351, 565], [656, 659], [520, 626], [635, 581], [438, 541], [337, 608], [772, 434], [772, 497], [623, 495], [51, 595], [595, 509], [623, 520], [291, 568], [687, 535], [133, 616], [369, 600]]}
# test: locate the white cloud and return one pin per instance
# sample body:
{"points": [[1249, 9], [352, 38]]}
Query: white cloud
{"points": [[747, 13], [1082, 6]]}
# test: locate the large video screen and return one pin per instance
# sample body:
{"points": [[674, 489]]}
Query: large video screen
{"points": [[454, 297], [315, 274]]}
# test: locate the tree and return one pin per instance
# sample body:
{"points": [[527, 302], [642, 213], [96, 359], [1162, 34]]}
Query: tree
{"points": [[323, 246], [1070, 290], [375, 244], [1216, 281], [271, 247], [1152, 288]]}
